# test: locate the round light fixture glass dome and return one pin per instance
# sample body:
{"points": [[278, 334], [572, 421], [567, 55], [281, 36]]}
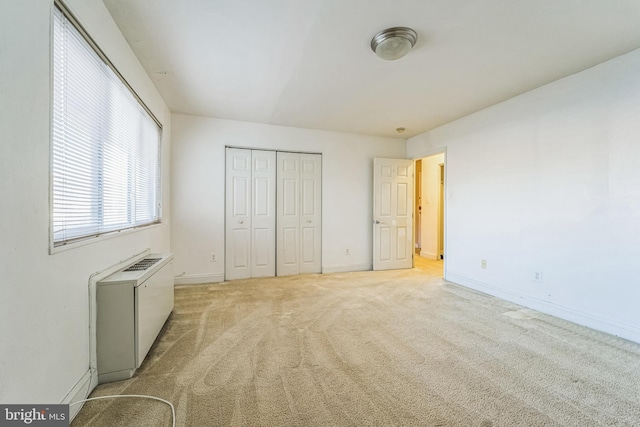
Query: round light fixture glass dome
{"points": [[393, 43]]}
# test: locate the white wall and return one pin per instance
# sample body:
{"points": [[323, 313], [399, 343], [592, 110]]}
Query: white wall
{"points": [[549, 182], [44, 319], [198, 163], [430, 205]]}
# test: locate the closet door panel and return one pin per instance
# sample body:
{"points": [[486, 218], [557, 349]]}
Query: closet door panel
{"points": [[240, 241], [263, 219], [308, 240], [311, 213], [238, 214], [288, 214], [289, 248]]}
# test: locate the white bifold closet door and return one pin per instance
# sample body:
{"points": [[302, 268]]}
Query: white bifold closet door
{"points": [[250, 213], [299, 213]]}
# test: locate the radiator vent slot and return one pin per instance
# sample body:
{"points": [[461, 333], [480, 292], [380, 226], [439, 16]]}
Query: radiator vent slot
{"points": [[143, 265]]}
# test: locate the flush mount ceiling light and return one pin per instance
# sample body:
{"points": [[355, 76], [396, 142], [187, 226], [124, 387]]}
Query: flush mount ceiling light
{"points": [[393, 43]]}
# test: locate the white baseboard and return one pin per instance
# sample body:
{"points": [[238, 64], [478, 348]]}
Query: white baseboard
{"points": [[428, 255], [590, 320], [79, 391], [346, 268], [197, 279]]}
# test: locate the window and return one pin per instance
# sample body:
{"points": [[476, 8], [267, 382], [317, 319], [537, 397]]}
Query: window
{"points": [[105, 144]]}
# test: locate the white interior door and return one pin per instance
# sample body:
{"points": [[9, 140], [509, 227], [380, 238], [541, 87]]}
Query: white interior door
{"points": [[392, 213], [263, 209], [288, 195], [250, 214], [299, 213], [238, 214], [310, 213]]}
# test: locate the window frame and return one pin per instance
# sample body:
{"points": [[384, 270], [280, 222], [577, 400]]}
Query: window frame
{"points": [[55, 247]]}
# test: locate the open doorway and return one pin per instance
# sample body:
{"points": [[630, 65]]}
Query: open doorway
{"points": [[418, 207], [441, 214], [429, 215]]}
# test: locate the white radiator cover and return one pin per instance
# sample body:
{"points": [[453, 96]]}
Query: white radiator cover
{"points": [[132, 307]]}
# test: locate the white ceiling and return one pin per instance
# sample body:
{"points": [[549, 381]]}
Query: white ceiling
{"points": [[308, 64]]}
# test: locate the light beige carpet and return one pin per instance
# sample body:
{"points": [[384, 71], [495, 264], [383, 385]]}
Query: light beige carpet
{"points": [[372, 349]]}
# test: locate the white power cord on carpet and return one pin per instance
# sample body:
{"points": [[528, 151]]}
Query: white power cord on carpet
{"points": [[173, 411]]}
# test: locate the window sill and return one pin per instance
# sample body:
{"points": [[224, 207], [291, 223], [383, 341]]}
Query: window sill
{"points": [[106, 236]]}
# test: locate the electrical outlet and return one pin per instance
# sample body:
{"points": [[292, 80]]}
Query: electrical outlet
{"points": [[483, 263], [212, 258], [537, 276]]}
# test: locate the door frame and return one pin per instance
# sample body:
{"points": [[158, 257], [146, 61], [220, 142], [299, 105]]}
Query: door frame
{"points": [[417, 223], [440, 246], [422, 156]]}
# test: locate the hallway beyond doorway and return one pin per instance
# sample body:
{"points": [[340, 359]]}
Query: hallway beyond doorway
{"points": [[432, 266]]}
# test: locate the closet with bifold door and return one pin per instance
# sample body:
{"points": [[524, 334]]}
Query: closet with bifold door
{"points": [[250, 225], [299, 213], [273, 213]]}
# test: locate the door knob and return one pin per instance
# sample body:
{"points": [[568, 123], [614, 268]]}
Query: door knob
{"points": [[241, 222], [309, 221], [377, 222]]}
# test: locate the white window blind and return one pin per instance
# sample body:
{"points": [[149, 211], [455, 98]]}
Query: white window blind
{"points": [[106, 146]]}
